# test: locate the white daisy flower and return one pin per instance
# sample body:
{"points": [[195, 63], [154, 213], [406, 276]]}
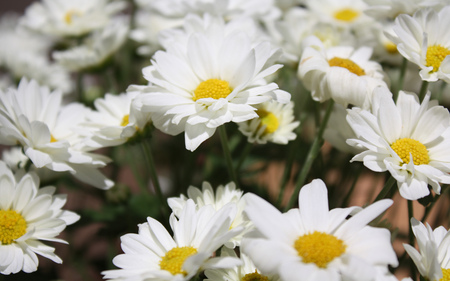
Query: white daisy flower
{"points": [[433, 258], [25, 54], [153, 254], [424, 40], [344, 74], [115, 120], [398, 138], [245, 272], [96, 49], [29, 214], [275, 123], [316, 242], [223, 196], [218, 79], [70, 18], [33, 117], [390, 9]]}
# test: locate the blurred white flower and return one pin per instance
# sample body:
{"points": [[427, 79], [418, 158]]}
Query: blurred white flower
{"points": [[390, 9], [316, 242], [223, 196], [344, 74], [275, 123], [33, 117], [424, 40], [218, 79], [115, 120], [29, 214], [70, 18], [153, 254], [399, 138], [96, 49], [433, 258]]}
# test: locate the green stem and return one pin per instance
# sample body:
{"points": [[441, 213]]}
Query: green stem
{"points": [[401, 79], [245, 152], [153, 174], [312, 154], [227, 154], [423, 90], [387, 187], [411, 236], [134, 169]]}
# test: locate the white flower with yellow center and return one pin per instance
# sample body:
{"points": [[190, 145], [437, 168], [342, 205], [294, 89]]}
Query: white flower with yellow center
{"points": [[408, 139], [433, 258], [96, 49], [70, 18], [29, 214], [275, 123], [115, 120], [218, 78], [316, 243], [344, 74], [153, 254], [245, 272], [34, 118], [221, 197], [424, 40]]}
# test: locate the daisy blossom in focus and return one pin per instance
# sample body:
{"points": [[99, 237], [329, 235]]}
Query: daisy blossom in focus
{"points": [[115, 120], [433, 258], [344, 74], [34, 118], [70, 18], [96, 49], [316, 243], [29, 214], [245, 272], [153, 254], [424, 40], [408, 139], [218, 79], [223, 196], [275, 123]]}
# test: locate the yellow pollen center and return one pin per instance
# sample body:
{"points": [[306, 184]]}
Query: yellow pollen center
{"points": [[255, 276], [446, 274], [391, 48], [52, 138], [346, 63], [212, 88], [319, 248], [406, 146], [68, 17], [125, 120], [435, 55], [346, 14], [12, 226], [174, 259], [269, 120]]}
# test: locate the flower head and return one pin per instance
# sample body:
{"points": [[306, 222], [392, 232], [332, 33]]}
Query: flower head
{"points": [[433, 259], [317, 242], [218, 79], [29, 214], [153, 254], [408, 139]]}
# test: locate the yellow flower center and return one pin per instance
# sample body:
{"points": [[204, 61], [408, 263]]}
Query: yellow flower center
{"points": [[391, 48], [446, 275], [319, 248], [406, 146], [125, 120], [68, 17], [269, 120], [52, 138], [346, 14], [212, 88], [255, 276], [435, 55], [174, 259], [346, 63], [12, 226]]}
